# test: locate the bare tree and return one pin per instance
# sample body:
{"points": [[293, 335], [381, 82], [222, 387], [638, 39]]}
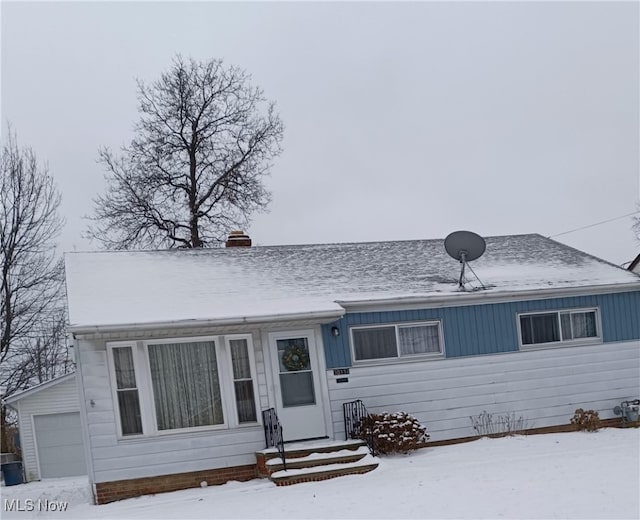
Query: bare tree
{"points": [[42, 354], [31, 283], [195, 168], [32, 314]]}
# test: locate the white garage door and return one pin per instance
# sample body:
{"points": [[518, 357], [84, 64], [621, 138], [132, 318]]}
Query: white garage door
{"points": [[60, 447]]}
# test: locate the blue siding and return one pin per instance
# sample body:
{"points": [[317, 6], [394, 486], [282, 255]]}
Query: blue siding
{"points": [[489, 328]]}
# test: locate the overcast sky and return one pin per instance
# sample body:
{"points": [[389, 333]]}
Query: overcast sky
{"points": [[403, 120]]}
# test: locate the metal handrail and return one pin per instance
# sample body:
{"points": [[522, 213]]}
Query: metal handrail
{"points": [[273, 433], [354, 412]]}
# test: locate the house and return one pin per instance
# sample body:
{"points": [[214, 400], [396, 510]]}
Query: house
{"points": [[179, 351], [51, 437]]}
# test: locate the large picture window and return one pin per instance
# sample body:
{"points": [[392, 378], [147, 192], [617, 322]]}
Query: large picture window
{"points": [[186, 386], [396, 341], [164, 386], [556, 327]]}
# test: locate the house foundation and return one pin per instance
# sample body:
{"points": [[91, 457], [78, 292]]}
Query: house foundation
{"points": [[106, 492]]}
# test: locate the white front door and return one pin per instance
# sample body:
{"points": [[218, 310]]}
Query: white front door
{"points": [[294, 358]]}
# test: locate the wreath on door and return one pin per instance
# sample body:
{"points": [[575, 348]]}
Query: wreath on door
{"points": [[295, 358]]}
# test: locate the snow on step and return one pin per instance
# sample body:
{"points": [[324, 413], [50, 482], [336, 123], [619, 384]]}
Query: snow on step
{"points": [[366, 461], [312, 445], [362, 450]]}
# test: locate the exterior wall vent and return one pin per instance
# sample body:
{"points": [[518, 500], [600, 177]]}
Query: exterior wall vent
{"points": [[238, 239]]}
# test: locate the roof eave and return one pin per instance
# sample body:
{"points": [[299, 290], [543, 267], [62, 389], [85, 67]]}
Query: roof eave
{"points": [[471, 298], [37, 388], [326, 316]]}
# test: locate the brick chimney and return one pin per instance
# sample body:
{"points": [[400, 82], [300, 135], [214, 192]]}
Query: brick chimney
{"points": [[238, 239]]}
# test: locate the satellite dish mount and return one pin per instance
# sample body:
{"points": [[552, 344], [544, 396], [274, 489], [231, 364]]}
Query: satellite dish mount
{"points": [[465, 246]]}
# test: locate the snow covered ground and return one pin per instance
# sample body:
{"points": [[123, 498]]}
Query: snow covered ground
{"points": [[566, 475]]}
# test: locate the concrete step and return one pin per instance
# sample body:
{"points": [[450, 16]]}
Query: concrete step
{"points": [[324, 472], [318, 459], [303, 449], [312, 461]]}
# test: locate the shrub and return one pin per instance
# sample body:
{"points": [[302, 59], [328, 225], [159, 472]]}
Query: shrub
{"points": [[586, 420], [397, 432]]}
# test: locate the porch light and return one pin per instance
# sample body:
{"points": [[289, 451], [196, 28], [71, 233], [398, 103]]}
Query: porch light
{"points": [[335, 331]]}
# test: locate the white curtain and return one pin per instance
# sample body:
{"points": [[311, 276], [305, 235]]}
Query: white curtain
{"points": [[584, 324], [419, 340], [578, 325], [186, 386], [565, 320]]}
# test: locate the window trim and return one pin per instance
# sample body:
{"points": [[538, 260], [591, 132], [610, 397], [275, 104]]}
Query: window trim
{"points": [[235, 423], [400, 358], [597, 339], [221, 380], [142, 368], [114, 386]]}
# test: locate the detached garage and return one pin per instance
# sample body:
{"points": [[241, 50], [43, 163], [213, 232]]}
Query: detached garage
{"points": [[50, 431]]}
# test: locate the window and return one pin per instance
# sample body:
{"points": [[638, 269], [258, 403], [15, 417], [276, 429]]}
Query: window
{"points": [[184, 384], [127, 391], [396, 341], [296, 375], [558, 326], [242, 381]]}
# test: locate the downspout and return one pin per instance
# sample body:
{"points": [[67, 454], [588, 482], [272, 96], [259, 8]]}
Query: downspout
{"points": [[84, 420]]}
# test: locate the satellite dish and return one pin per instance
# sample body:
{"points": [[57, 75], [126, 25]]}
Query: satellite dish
{"points": [[465, 246]]}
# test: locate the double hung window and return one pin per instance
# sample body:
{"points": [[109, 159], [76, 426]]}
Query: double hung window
{"points": [[126, 391], [396, 341], [557, 327], [242, 380]]}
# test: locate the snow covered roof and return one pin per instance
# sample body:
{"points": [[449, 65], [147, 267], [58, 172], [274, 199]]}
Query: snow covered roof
{"points": [[117, 288]]}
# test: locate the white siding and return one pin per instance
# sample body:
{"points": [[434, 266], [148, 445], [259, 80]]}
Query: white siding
{"points": [[117, 459], [59, 398], [545, 387]]}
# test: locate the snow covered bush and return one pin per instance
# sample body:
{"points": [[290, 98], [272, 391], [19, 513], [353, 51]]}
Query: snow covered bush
{"points": [[398, 432], [588, 420]]}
